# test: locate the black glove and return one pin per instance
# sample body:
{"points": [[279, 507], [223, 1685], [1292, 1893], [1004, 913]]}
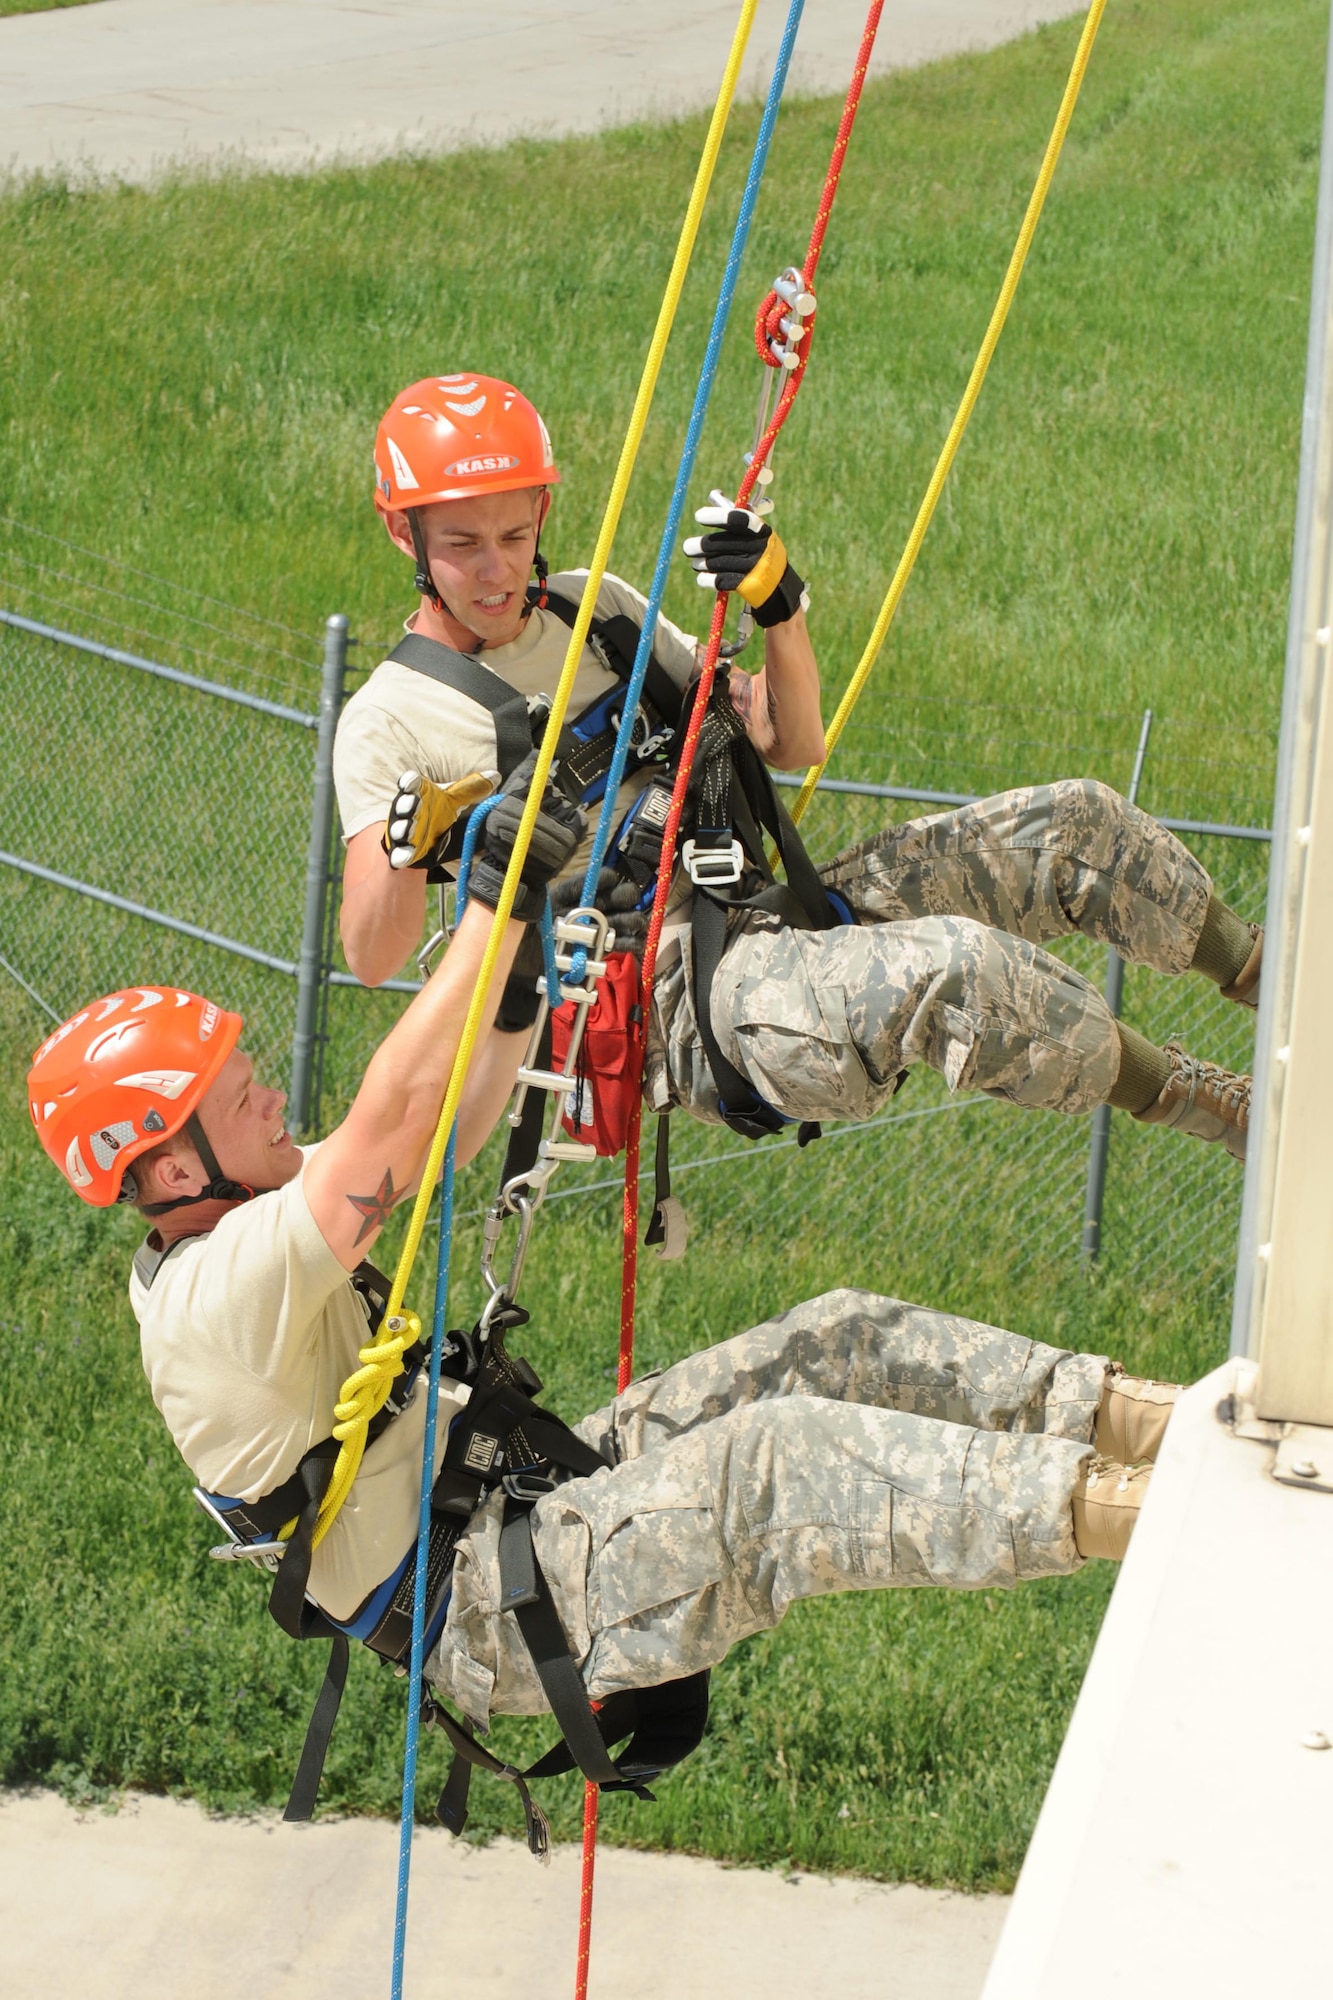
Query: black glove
{"points": [[743, 554], [556, 834]]}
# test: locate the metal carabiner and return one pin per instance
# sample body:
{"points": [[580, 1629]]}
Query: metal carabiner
{"points": [[491, 1235]]}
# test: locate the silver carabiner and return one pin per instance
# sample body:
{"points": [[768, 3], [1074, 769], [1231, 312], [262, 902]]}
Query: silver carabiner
{"points": [[508, 1291]]}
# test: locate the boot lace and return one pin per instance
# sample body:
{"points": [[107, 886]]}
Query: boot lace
{"points": [[1218, 1089]]}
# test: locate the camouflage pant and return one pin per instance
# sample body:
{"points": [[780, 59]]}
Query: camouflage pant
{"points": [[853, 1443], [946, 966]]}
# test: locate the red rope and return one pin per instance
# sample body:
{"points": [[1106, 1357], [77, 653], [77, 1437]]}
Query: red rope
{"points": [[590, 1798], [774, 309], [630, 1222]]}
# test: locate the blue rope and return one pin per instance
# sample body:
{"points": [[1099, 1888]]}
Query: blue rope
{"points": [[596, 861], [702, 396], [471, 835], [419, 1599], [550, 970], [409, 1806]]}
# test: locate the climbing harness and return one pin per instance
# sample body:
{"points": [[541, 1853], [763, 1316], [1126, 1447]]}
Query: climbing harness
{"points": [[505, 1439], [586, 744]]}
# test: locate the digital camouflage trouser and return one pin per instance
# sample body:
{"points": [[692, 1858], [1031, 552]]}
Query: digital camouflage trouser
{"points": [[945, 967], [852, 1443]]}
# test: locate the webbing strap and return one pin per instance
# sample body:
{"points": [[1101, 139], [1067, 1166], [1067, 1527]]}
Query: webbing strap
{"points": [[525, 1138], [468, 677], [451, 1808], [287, 1598], [736, 791], [656, 1231], [305, 1785], [616, 640], [525, 1592], [741, 1105]]}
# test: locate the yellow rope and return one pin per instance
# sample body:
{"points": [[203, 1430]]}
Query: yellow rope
{"points": [[926, 511], [364, 1393]]}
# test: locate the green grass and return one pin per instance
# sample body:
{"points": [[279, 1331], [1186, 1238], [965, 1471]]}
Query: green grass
{"points": [[37, 6], [191, 380]]}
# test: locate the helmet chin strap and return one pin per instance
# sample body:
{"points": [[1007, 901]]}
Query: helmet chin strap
{"points": [[219, 1187], [424, 582]]}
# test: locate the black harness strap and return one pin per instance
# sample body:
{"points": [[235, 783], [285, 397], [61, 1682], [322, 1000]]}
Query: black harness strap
{"points": [[451, 1808], [466, 676], [665, 1723], [391, 1639], [525, 1592], [737, 799], [287, 1598], [616, 641], [656, 1230], [741, 1106], [305, 1785]]}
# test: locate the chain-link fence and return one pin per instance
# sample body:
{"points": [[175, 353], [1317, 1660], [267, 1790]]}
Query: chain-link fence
{"points": [[156, 825]]}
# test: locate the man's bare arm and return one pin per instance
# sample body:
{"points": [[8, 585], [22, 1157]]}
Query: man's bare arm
{"points": [[780, 704], [383, 909], [376, 1156]]}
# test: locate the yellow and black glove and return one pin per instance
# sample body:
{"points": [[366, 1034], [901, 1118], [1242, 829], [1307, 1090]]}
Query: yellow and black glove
{"points": [[423, 812], [743, 554]]}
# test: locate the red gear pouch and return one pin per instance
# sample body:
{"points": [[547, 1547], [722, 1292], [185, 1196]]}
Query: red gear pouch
{"points": [[610, 1058]]}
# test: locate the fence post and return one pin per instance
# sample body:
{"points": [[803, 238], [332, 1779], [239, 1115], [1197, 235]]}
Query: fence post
{"points": [[310, 969], [1100, 1143]]}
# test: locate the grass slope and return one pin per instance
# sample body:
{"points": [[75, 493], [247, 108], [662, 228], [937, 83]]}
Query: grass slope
{"points": [[191, 378]]}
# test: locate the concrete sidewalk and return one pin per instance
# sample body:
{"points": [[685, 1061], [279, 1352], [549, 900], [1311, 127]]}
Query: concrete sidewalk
{"points": [[158, 1900], [125, 86]]}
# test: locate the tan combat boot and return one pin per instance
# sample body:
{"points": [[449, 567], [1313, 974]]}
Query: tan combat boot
{"points": [[1107, 1499], [1132, 1417], [1244, 988], [1204, 1100]]}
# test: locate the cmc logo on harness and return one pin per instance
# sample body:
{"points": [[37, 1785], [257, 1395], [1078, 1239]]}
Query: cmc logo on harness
{"points": [[485, 462]]}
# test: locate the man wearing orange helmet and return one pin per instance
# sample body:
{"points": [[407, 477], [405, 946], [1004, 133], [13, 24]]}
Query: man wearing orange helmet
{"points": [[464, 469], [249, 1322], [922, 944], [851, 1443]]}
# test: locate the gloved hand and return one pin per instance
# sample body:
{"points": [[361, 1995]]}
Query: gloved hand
{"points": [[743, 554], [555, 836], [422, 814]]}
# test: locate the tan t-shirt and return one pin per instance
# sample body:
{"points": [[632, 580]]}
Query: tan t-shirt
{"points": [[401, 720], [247, 1335]]}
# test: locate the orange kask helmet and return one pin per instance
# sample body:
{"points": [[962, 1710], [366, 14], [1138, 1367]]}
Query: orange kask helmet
{"points": [[122, 1075], [453, 437]]}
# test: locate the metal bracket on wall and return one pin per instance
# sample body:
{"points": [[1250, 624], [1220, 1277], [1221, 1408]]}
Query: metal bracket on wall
{"points": [[1305, 1458]]}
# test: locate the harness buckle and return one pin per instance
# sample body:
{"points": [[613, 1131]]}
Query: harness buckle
{"points": [[645, 741], [713, 861], [527, 1487]]}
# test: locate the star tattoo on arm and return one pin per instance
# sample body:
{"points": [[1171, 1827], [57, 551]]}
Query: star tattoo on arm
{"points": [[376, 1208]]}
